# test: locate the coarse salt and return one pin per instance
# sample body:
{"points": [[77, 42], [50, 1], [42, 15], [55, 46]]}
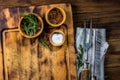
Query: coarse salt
{"points": [[57, 38]]}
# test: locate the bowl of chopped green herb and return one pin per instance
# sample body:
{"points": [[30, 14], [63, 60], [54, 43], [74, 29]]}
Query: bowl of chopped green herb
{"points": [[30, 25]]}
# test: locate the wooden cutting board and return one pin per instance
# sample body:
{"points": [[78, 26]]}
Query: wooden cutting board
{"points": [[28, 59]]}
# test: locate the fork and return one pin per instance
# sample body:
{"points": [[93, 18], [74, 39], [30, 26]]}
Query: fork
{"points": [[88, 44], [85, 71]]}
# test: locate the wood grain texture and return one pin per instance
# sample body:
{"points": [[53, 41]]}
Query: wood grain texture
{"points": [[112, 73], [105, 14], [20, 58], [26, 59]]}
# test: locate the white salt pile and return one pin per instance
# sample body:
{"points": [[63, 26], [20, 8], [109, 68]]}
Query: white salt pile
{"points": [[57, 38]]}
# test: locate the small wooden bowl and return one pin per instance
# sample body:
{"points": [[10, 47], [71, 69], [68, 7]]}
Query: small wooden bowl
{"points": [[37, 33], [57, 38], [49, 16]]}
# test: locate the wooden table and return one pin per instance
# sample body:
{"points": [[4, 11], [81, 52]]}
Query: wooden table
{"points": [[105, 14]]}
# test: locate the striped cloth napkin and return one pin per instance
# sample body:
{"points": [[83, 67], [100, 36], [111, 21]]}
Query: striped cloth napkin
{"points": [[96, 53]]}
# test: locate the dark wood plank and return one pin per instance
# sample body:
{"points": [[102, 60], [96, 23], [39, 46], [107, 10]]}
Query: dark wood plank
{"points": [[112, 73], [114, 46], [113, 34], [112, 60], [104, 15]]}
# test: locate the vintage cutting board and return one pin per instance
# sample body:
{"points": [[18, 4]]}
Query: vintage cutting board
{"points": [[28, 59]]}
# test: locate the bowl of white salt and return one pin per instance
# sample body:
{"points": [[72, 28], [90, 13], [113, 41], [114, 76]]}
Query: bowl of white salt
{"points": [[57, 38]]}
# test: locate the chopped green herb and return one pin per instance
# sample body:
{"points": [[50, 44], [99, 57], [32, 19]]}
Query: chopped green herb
{"points": [[43, 41], [30, 24], [80, 56]]}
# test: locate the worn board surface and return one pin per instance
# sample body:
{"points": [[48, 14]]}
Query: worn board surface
{"points": [[28, 59]]}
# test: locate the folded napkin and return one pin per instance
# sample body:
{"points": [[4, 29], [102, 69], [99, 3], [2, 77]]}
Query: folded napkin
{"points": [[96, 53]]}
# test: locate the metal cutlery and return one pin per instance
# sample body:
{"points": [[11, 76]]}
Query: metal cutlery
{"points": [[87, 45]]}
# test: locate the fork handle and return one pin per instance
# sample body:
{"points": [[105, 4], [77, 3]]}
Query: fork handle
{"points": [[84, 74]]}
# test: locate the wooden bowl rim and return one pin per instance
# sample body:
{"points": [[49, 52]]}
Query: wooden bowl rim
{"points": [[63, 13]]}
